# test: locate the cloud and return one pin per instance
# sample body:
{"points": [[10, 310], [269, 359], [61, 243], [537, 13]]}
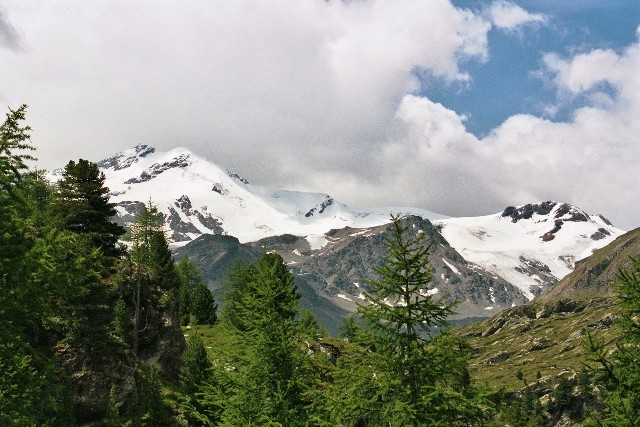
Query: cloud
{"points": [[590, 161], [508, 16], [9, 37], [288, 84], [323, 96]]}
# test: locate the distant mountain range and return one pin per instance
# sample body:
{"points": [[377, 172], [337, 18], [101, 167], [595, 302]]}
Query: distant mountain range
{"points": [[487, 263]]}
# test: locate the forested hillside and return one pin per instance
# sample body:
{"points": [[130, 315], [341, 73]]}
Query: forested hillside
{"points": [[92, 330]]}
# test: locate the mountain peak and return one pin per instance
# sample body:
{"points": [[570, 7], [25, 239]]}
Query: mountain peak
{"points": [[559, 211], [126, 158]]}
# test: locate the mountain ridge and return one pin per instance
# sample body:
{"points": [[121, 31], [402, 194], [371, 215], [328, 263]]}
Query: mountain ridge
{"points": [[530, 246]]}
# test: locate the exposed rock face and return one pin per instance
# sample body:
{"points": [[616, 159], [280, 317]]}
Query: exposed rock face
{"points": [[340, 270], [186, 230], [527, 211], [156, 169], [600, 234], [93, 371], [234, 175], [179, 227], [320, 208], [121, 161]]}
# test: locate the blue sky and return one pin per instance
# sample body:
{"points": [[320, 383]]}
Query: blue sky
{"points": [[507, 83], [460, 108]]}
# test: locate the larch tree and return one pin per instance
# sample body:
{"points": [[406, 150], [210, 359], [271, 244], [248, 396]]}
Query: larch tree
{"points": [[407, 374]]}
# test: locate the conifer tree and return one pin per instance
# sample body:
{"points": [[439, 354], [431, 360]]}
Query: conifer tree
{"points": [[15, 143], [146, 234], [203, 305], [44, 276], [408, 375], [197, 303], [195, 366], [82, 206], [267, 386], [190, 276]]}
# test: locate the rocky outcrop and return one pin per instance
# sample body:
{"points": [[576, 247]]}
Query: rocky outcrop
{"points": [[122, 161], [320, 207], [93, 371], [181, 161]]}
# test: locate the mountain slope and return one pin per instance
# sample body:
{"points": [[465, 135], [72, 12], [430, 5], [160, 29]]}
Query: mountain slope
{"points": [[531, 246], [546, 334], [332, 278], [215, 254], [198, 197]]}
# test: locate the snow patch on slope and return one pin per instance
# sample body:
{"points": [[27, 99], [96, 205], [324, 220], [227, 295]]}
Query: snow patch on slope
{"points": [[519, 249], [227, 201]]}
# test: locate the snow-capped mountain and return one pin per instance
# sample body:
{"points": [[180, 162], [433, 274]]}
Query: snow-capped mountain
{"points": [[199, 197], [531, 246]]}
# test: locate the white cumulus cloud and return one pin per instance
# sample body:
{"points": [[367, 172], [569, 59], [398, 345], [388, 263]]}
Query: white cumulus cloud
{"points": [[590, 160], [509, 16]]}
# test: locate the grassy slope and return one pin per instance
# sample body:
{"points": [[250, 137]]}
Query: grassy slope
{"points": [[546, 335]]}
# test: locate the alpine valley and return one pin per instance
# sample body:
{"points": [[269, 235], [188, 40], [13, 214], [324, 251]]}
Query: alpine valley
{"points": [[213, 215]]}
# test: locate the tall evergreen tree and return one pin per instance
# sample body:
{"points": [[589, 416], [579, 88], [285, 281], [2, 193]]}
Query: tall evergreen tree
{"points": [[190, 276], [203, 305], [43, 277], [267, 386], [82, 206], [15, 143], [195, 366], [197, 303], [148, 224], [408, 375]]}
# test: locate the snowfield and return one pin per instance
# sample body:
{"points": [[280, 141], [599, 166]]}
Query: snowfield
{"points": [[530, 246]]}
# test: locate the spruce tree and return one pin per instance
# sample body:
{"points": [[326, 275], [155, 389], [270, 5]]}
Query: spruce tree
{"points": [[190, 276], [267, 384], [15, 143], [195, 366], [203, 305], [82, 206]]}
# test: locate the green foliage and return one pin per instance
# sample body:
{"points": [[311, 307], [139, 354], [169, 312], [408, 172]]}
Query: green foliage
{"points": [[256, 379], [147, 407], [235, 287], [203, 305], [196, 300], [522, 409], [82, 206], [619, 372], [14, 141], [122, 321], [113, 418], [195, 366], [21, 387], [350, 329], [190, 276], [402, 377], [155, 280], [309, 327]]}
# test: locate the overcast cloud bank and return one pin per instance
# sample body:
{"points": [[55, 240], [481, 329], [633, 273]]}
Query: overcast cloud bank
{"points": [[323, 96]]}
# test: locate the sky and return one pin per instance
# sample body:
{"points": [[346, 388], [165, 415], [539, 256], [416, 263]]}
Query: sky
{"points": [[461, 107]]}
